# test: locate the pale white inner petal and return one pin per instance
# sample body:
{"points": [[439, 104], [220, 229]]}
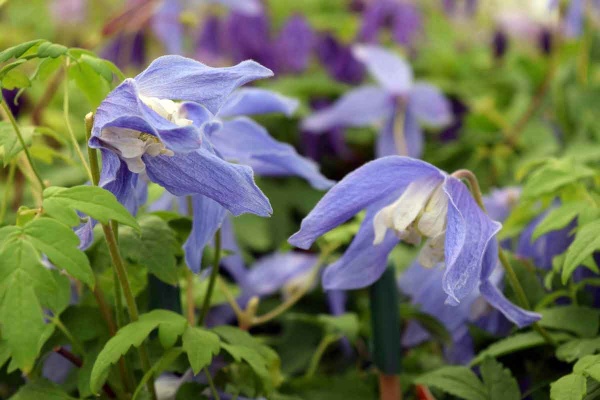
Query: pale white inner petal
{"points": [[167, 109], [131, 145], [420, 211]]}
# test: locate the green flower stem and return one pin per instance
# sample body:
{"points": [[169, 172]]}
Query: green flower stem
{"points": [[9, 183], [69, 128], [213, 389], [320, 350], [510, 272], [213, 278], [119, 265], [21, 141]]}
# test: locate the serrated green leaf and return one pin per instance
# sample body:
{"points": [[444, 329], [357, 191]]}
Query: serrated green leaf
{"points": [[587, 240], [553, 176], [19, 50], [52, 50], [60, 244], [458, 381], [583, 321], [557, 219], [517, 342], [498, 381], [201, 346], [22, 320], [588, 366], [94, 87], [131, 335], [161, 365], [155, 248], [41, 389], [94, 201], [569, 387]]}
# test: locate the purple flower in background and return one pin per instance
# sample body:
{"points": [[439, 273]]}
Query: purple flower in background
{"points": [[294, 45], [407, 199], [126, 49], [457, 8], [401, 17], [397, 104], [68, 11], [329, 143], [338, 60], [139, 128]]}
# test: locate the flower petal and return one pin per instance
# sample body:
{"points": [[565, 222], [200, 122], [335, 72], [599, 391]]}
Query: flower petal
{"points": [[359, 107], [406, 140], [270, 273], [208, 217], [250, 101], [362, 263], [246, 7], [203, 172], [429, 105], [179, 78], [359, 189], [497, 300], [245, 142], [389, 69], [469, 231]]}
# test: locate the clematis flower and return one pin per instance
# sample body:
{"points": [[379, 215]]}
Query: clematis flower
{"points": [[139, 128], [407, 199], [338, 60], [233, 137], [396, 104], [401, 17]]}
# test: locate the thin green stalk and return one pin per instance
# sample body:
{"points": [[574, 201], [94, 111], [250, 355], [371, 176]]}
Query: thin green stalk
{"points": [[318, 354], [70, 129], [213, 389], [17, 130], [92, 156], [9, 183], [119, 266], [213, 278], [77, 346]]}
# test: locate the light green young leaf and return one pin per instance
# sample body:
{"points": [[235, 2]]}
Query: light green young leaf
{"points": [[131, 335], [18, 50], [51, 50], [201, 346], [587, 240], [588, 366], [577, 348], [94, 87], [9, 143], [455, 380], [94, 201], [498, 381], [60, 244], [569, 387], [553, 175], [557, 218], [15, 79]]}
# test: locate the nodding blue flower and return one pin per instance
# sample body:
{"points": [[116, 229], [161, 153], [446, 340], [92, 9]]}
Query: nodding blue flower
{"points": [[408, 199], [338, 60], [141, 127], [397, 104], [231, 136], [401, 17]]}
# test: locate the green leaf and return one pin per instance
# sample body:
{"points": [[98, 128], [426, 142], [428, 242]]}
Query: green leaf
{"points": [[9, 142], [517, 342], [23, 326], [554, 175], [19, 50], [41, 389], [498, 381], [130, 335], [94, 201], [583, 321], [15, 79], [577, 348], [587, 240], [569, 387], [94, 87], [557, 218], [51, 50], [99, 65], [455, 380], [155, 248], [60, 244], [201, 346]]}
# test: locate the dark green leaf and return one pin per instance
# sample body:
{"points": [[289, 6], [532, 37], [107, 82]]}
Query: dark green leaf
{"points": [[498, 381], [583, 321], [200, 346], [587, 240], [458, 381], [41, 389], [577, 348]]}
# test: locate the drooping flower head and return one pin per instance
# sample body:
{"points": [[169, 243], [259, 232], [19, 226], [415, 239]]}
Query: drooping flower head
{"points": [[411, 200], [397, 104], [142, 127], [401, 17], [338, 60]]}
